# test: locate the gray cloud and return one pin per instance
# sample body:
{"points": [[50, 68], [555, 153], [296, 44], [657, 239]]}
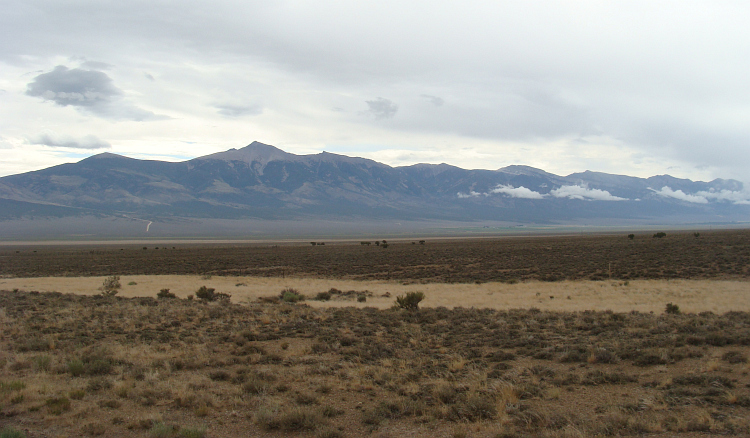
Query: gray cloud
{"points": [[86, 142], [634, 72], [88, 90], [76, 87], [381, 108], [435, 100], [239, 110]]}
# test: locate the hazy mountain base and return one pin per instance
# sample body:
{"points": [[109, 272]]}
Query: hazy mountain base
{"points": [[102, 227]]}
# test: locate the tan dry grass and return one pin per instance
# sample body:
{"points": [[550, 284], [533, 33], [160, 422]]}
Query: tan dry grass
{"points": [[641, 295]]}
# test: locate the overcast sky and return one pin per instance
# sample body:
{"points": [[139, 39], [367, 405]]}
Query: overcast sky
{"points": [[628, 87]]}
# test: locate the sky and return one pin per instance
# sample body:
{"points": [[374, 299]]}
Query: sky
{"points": [[627, 87]]}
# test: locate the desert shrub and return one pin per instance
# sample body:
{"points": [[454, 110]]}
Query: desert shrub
{"points": [[672, 309], [361, 299], [209, 294], [161, 430], [165, 293], [294, 419], [660, 234], [193, 432], [42, 362], [110, 286], [57, 405], [219, 376], [33, 343], [290, 295], [94, 363], [323, 296], [631, 236], [734, 357], [13, 385], [255, 385], [410, 301], [329, 433], [10, 432], [474, 408], [98, 383]]}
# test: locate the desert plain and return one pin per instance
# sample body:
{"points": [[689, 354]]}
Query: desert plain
{"points": [[556, 336]]}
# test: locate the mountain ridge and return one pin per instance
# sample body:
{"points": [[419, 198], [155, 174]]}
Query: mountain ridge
{"points": [[262, 181]]}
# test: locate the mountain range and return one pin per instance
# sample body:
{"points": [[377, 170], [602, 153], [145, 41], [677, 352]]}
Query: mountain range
{"points": [[262, 182]]}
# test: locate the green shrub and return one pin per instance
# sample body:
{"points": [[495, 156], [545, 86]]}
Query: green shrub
{"points": [[660, 234], [193, 432], [672, 309], [410, 301], [10, 432], [290, 295], [13, 385], [161, 430], [42, 362]]}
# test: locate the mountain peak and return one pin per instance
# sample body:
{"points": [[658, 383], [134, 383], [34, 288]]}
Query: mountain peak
{"points": [[254, 152]]}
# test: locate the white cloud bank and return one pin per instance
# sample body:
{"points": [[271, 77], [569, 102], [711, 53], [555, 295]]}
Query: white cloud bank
{"points": [[584, 193], [572, 192], [667, 192], [703, 197], [736, 197], [517, 192]]}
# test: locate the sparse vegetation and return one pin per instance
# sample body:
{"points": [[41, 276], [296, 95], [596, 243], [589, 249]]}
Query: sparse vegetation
{"points": [[290, 295], [88, 366], [11, 432], [165, 293], [208, 294], [410, 301], [111, 286], [672, 309]]}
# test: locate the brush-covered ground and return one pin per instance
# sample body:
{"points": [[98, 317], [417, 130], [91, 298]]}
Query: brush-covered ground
{"points": [[544, 364], [75, 365]]}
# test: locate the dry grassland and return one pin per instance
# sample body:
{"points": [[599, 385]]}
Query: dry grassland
{"points": [[619, 296], [555, 338]]}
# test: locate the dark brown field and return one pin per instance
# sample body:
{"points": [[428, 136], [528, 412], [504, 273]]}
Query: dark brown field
{"points": [[712, 255]]}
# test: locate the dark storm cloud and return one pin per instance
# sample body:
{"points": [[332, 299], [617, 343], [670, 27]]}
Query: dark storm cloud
{"points": [[381, 108], [239, 110], [87, 142], [89, 90]]}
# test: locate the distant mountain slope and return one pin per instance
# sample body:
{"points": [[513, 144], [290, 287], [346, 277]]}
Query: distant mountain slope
{"points": [[261, 181]]}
